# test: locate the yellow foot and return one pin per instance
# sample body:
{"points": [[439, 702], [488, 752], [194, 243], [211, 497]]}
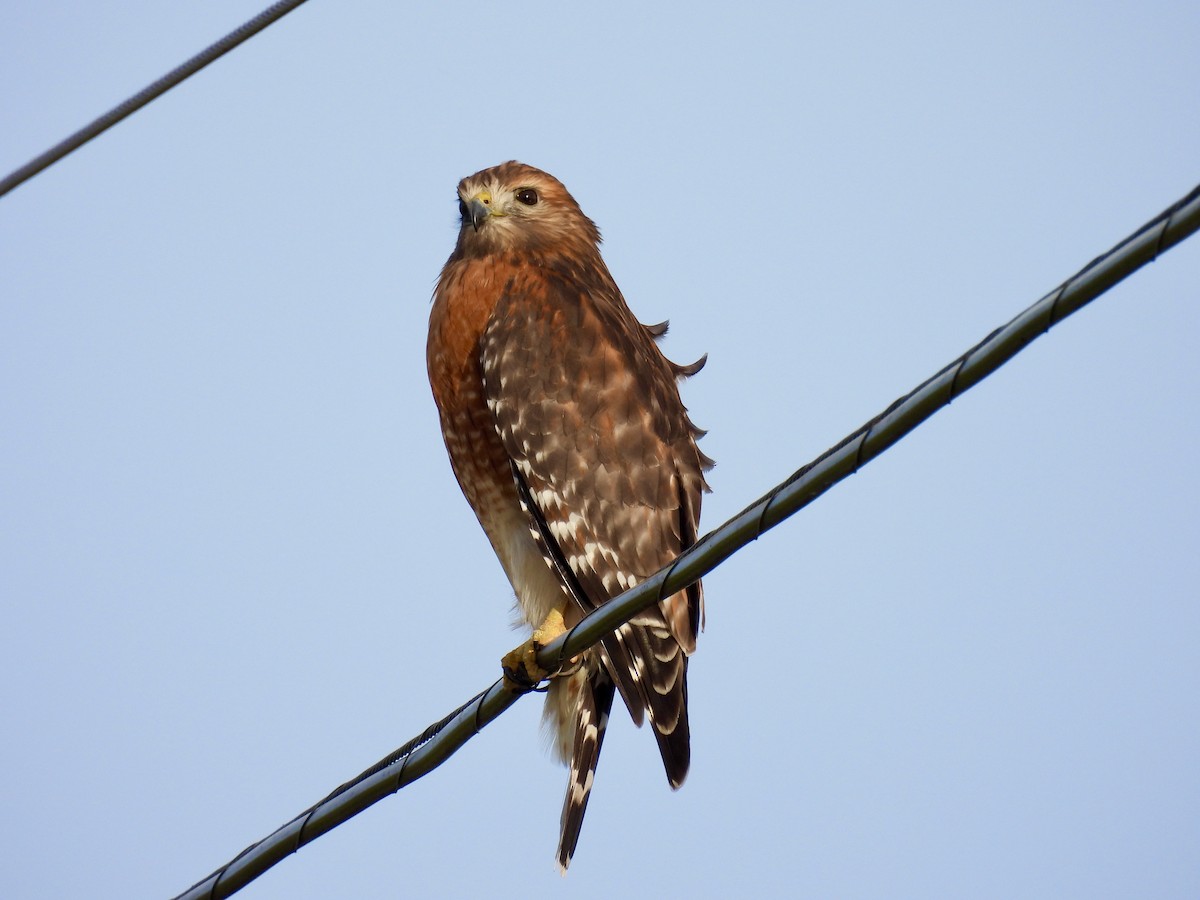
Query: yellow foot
{"points": [[521, 670]]}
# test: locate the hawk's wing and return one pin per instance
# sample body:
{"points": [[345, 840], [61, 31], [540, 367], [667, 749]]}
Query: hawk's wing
{"points": [[589, 411]]}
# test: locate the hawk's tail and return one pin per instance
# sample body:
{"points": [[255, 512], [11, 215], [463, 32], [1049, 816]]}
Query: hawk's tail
{"points": [[591, 720], [657, 683]]}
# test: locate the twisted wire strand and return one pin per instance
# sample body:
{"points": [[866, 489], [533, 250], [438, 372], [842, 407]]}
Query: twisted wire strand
{"points": [[441, 740]]}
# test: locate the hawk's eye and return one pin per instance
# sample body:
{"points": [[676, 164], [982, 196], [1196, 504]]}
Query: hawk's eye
{"points": [[528, 196], [462, 209]]}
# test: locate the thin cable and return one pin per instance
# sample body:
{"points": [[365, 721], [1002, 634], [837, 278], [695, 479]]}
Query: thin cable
{"points": [[144, 96], [440, 741]]}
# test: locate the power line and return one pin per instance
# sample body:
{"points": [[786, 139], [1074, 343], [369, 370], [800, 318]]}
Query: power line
{"points": [[148, 93], [426, 752]]}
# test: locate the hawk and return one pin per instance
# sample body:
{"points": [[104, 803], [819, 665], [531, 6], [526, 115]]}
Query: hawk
{"points": [[567, 435]]}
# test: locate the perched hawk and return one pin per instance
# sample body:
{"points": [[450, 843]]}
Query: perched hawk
{"points": [[566, 432]]}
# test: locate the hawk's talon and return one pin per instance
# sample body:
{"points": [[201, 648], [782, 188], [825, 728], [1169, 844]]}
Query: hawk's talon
{"points": [[521, 670], [517, 665], [572, 666]]}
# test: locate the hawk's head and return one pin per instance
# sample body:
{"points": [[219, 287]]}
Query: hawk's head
{"points": [[513, 206]]}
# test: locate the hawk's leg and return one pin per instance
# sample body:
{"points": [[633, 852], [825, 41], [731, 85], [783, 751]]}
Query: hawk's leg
{"points": [[521, 670]]}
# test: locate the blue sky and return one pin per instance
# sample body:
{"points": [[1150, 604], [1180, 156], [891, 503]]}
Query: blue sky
{"points": [[235, 568]]}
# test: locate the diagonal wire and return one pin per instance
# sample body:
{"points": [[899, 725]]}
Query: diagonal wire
{"points": [[150, 92], [426, 752]]}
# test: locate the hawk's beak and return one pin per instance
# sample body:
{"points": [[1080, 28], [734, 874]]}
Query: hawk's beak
{"points": [[477, 211]]}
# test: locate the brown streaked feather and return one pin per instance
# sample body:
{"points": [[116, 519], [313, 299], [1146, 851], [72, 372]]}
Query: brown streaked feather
{"points": [[658, 330], [588, 410], [691, 368], [591, 721]]}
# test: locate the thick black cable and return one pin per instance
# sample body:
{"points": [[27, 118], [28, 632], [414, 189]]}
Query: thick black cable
{"points": [[144, 96], [218, 884], [854, 451], [440, 741]]}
